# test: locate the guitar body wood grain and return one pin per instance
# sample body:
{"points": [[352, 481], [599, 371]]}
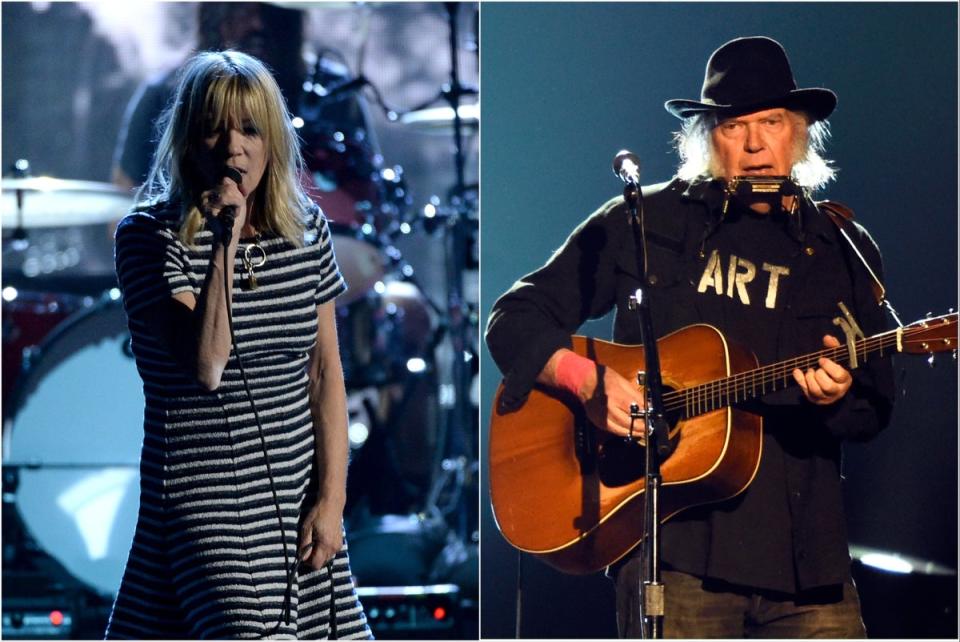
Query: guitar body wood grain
{"points": [[573, 494]]}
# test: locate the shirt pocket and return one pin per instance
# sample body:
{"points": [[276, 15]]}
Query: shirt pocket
{"points": [[665, 264]]}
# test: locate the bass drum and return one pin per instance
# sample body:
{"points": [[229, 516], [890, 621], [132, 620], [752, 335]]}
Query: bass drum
{"points": [[74, 437]]}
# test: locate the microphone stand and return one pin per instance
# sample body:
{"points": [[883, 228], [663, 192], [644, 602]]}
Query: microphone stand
{"points": [[656, 432]]}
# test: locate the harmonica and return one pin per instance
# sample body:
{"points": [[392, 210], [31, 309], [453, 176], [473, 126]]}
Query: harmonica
{"points": [[758, 185]]}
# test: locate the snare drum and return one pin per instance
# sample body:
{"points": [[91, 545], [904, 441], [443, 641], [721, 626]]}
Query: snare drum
{"points": [[75, 434]]}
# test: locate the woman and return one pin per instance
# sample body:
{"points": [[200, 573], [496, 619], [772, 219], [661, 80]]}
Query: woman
{"points": [[243, 468]]}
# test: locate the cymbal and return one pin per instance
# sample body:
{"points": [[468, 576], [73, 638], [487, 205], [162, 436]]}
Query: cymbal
{"points": [[436, 118], [898, 563], [324, 4], [55, 202]]}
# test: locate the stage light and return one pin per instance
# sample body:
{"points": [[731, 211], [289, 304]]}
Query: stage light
{"points": [[889, 563], [416, 365], [358, 433]]}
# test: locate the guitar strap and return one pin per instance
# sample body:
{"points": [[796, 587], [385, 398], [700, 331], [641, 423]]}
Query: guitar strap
{"points": [[841, 215]]}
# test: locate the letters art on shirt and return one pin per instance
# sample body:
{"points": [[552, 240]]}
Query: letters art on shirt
{"points": [[738, 277]]}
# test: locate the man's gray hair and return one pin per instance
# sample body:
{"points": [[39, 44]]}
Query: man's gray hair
{"points": [[810, 168]]}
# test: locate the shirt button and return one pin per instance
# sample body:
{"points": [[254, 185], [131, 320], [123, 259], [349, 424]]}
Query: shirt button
{"points": [[652, 279]]}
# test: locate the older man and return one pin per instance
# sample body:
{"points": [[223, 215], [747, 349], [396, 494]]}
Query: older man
{"points": [[769, 273]]}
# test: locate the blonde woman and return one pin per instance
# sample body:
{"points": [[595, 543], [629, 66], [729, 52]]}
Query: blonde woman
{"points": [[244, 458]]}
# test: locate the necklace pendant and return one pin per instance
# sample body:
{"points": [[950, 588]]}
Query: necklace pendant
{"points": [[254, 256]]}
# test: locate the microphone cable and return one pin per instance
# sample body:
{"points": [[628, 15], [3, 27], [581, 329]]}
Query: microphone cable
{"points": [[290, 569]]}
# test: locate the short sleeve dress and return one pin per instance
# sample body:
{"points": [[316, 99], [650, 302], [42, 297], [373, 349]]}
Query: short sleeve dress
{"points": [[207, 559]]}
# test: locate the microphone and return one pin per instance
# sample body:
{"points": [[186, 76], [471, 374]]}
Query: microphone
{"points": [[626, 165], [229, 213]]}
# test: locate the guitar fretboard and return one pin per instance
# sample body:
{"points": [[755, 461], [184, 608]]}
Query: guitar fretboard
{"points": [[751, 384]]}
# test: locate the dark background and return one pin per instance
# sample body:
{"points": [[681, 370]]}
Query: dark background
{"points": [[567, 85]]}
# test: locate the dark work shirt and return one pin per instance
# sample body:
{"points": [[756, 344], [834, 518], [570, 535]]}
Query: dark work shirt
{"points": [[786, 532]]}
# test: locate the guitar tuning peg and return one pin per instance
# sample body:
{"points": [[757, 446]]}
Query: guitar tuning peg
{"points": [[931, 360], [954, 355], [929, 315]]}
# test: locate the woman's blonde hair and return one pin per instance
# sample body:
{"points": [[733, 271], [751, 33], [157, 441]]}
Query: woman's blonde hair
{"points": [[810, 168], [227, 88]]}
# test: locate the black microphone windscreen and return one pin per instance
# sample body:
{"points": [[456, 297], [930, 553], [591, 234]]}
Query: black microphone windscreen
{"points": [[233, 174]]}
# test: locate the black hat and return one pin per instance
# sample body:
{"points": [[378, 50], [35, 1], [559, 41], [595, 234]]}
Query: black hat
{"points": [[750, 74]]}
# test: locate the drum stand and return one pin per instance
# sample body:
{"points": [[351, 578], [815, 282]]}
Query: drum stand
{"points": [[455, 449]]}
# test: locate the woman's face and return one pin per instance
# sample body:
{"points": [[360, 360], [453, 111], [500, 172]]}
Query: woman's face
{"points": [[239, 145]]}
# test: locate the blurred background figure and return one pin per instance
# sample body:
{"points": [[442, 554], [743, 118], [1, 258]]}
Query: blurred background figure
{"points": [[373, 90]]}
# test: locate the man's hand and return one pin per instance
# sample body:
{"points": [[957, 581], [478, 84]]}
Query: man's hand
{"points": [[606, 401], [608, 405], [828, 383]]}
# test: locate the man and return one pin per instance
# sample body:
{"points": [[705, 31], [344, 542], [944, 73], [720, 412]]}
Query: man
{"points": [[273, 34], [769, 273], [270, 33]]}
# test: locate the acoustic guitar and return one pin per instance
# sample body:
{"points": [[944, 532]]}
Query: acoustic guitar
{"points": [[572, 494]]}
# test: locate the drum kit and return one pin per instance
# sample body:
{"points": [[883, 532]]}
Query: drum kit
{"points": [[72, 399]]}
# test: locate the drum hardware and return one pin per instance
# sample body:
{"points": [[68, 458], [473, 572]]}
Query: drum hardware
{"points": [[438, 119], [61, 237], [347, 176], [20, 169], [454, 221]]}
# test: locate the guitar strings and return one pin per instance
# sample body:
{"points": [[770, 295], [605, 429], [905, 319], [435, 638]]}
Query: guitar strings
{"points": [[701, 395]]}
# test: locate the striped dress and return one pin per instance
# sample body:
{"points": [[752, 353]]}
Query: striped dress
{"points": [[207, 559]]}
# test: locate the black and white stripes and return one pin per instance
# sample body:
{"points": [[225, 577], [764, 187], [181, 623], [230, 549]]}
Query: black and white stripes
{"points": [[207, 559]]}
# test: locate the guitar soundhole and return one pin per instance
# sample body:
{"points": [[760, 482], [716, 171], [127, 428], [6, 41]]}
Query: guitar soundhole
{"points": [[621, 462]]}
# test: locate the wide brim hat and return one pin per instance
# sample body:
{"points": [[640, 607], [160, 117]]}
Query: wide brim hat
{"points": [[751, 74]]}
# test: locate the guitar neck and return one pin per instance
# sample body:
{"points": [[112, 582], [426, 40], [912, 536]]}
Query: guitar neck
{"points": [[752, 384]]}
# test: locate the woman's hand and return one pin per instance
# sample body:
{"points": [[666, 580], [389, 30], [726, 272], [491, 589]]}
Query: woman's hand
{"points": [[213, 201], [321, 534]]}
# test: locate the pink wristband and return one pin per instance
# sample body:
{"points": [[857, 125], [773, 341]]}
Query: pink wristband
{"points": [[573, 370]]}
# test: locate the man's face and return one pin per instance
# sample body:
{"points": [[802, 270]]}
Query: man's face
{"points": [[762, 143]]}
